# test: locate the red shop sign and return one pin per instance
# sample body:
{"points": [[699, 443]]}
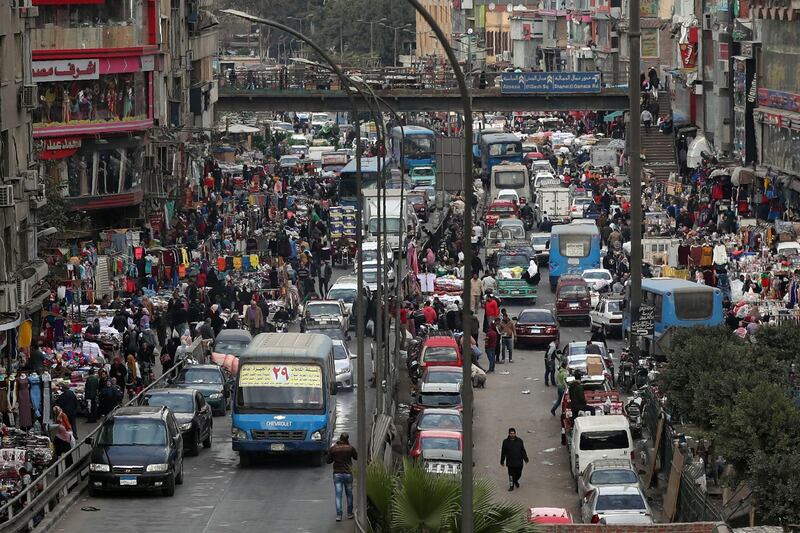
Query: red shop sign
{"points": [[58, 147]]}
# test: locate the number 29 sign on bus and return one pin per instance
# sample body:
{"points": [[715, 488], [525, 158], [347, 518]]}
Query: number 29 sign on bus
{"points": [[263, 375]]}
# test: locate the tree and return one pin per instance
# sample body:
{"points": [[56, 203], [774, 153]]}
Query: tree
{"points": [[774, 479], [414, 501]]}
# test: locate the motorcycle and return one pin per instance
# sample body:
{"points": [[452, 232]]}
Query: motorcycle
{"points": [[634, 411], [627, 369], [281, 327]]}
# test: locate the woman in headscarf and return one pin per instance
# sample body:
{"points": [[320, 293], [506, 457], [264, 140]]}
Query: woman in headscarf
{"points": [[531, 275], [133, 375]]}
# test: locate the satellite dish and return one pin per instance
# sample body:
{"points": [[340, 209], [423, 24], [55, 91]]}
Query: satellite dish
{"points": [[509, 8], [491, 6]]}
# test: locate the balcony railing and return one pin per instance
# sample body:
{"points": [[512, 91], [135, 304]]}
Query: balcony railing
{"points": [[52, 37]]}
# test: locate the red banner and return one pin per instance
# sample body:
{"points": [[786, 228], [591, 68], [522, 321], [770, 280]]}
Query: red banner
{"points": [[65, 2], [688, 55], [58, 147]]}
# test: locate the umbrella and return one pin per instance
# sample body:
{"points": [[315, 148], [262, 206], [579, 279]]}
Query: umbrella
{"points": [[534, 155], [612, 116], [694, 155]]}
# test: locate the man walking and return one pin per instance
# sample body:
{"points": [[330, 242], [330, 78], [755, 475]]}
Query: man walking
{"points": [[491, 345], [513, 454], [69, 403], [91, 392], [475, 292], [647, 119], [325, 274], [550, 357], [341, 455]]}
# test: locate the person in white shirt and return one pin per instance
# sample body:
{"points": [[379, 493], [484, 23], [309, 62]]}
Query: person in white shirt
{"points": [[647, 119], [489, 283]]}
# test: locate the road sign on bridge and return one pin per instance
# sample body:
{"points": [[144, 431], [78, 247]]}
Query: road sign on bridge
{"points": [[550, 82]]}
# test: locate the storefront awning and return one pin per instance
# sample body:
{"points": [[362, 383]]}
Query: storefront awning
{"points": [[742, 176]]}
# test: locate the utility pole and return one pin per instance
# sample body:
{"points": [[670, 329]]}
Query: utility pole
{"points": [[635, 164]]}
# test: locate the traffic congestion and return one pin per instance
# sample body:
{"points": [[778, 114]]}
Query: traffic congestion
{"points": [[240, 353]]}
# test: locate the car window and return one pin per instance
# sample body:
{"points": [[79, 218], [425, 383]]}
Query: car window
{"points": [[440, 443], [613, 306], [444, 377], [604, 440], [440, 420], [346, 295], [614, 477], [179, 403], [536, 317], [440, 399], [613, 502], [573, 292], [339, 352], [324, 309], [132, 432], [200, 375], [440, 354], [232, 347]]}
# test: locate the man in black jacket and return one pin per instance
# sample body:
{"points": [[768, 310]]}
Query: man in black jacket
{"points": [[69, 403], [513, 454]]}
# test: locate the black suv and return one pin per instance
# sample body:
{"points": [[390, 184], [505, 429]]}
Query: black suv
{"points": [[137, 448], [192, 413]]}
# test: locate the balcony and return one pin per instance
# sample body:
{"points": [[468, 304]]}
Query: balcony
{"points": [[52, 37], [203, 44]]}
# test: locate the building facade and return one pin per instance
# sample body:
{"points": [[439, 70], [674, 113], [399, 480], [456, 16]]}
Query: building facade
{"points": [[21, 194]]}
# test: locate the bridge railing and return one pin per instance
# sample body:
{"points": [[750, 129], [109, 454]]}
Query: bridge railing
{"points": [[288, 79], [69, 472]]}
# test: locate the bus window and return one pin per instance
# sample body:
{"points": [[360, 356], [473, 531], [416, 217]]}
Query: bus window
{"points": [[418, 144], [505, 179], [574, 245], [498, 149], [655, 301], [690, 305]]}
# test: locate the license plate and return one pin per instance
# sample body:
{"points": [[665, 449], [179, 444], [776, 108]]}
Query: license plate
{"points": [[536, 330], [277, 447], [127, 481], [516, 292], [573, 306]]}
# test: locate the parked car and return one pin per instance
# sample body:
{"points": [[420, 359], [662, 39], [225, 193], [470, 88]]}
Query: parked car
{"points": [[192, 414], [440, 349], [319, 314], [579, 347], [435, 439], [572, 299], [341, 360], [137, 448], [607, 316], [536, 326], [622, 504], [439, 395], [212, 382], [549, 515], [442, 374], [432, 418], [603, 472]]}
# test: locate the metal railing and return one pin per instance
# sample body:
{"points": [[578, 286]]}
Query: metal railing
{"points": [[69, 472], [308, 79]]}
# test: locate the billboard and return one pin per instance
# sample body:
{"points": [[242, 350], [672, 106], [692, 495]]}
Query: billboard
{"points": [[550, 82]]}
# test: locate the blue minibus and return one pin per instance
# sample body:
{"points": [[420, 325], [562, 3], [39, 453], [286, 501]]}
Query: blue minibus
{"points": [[419, 146], [573, 249], [497, 148], [348, 184], [285, 396], [676, 303]]}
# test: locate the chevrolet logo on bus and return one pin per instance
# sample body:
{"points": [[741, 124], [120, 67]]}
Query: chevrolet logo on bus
{"points": [[277, 423]]}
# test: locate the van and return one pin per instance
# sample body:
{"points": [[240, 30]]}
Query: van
{"points": [[599, 437], [573, 301]]}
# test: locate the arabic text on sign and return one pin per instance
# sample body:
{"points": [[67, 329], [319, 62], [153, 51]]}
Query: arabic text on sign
{"points": [[574, 249], [266, 375], [65, 70]]}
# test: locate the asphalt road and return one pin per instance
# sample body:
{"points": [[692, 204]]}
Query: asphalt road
{"points": [[282, 494], [504, 403]]}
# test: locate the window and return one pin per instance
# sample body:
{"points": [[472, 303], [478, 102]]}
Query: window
{"points": [[124, 432], [509, 179], [654, 300], [614, 477], [604, 440], [626, 502], [440, 354], [694, 305], [574, 245], [179, 403], [18, 55], [440, 443]]}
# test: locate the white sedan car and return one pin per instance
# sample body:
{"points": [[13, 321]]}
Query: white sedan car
{"points": [[597, 279], [606, 316]]}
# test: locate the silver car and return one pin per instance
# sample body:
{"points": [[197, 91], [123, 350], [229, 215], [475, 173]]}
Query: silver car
{"points": [[341, 360], [607, 472], [626, 504]]}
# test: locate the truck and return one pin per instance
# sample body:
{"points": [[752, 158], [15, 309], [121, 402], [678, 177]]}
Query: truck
{"points": [[554, 202], [511, 263], [396, 213], [315, 154], [603, 155], [333, 161]]}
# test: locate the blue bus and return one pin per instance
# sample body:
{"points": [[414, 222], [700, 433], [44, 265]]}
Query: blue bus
{"points": [[476, 142], [285, 396], [497, 148], [419, 148], [348, 184], [676, 303], [573, 249]]}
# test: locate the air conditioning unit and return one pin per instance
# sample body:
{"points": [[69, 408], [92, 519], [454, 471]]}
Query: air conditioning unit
{"points": [[29, 97], [8, 298], [6, 196]]}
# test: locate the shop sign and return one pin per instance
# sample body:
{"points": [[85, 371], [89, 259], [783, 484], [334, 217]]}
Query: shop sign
{"points": [[746, 48], [58, 147], [742, 31], [645, 326], [688, 55], [779, 100], [65, 70], [156, 219], [549, 82]]}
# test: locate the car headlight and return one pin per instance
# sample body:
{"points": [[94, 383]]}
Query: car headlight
{"points": [[238, 434], [158, 467], [318, 435], [186, 427], [215, 396], [99, 467]]}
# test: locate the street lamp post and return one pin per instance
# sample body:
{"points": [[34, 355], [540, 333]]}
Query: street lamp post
{"points": [[404, 27], [634, 157], [371, 25]]}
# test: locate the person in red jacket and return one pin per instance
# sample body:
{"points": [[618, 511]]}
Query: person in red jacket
{"points": [[492, 339], [491, 310], [430, 313]]}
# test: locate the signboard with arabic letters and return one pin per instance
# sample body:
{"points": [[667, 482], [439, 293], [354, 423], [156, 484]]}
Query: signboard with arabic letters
{"points": [[65, 70], [267, 375], [550, 82]]}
